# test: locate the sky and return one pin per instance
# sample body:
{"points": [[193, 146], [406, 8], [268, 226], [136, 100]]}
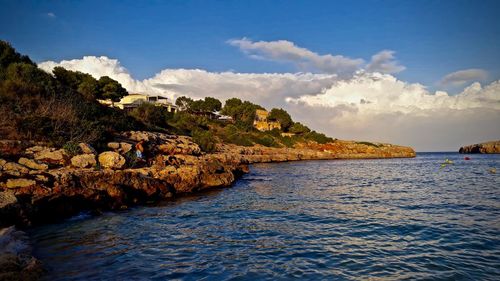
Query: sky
{"points": [[419, 73]]}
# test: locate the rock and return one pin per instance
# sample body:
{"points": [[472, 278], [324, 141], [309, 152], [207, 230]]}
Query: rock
{"points": [[83, 161], [7, 198], [32, 164], [485, 147], [111, 160], [125, 147], [56, 157], [2, 163], [15, 169], [16, 257], [19, 183], [114, 145], [86, 148]]}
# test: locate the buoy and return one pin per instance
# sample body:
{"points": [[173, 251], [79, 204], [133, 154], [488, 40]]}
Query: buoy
{"points": [[493, 170], [466, 158]]}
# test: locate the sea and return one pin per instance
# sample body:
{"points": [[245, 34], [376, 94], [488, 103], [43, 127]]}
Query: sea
{"points": [[420, 218]]}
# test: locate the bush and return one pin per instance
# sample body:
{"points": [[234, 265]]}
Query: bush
{"points": [[72, 148], [318, 137], [152, 115], [205, 139], [368, 143], [265, 140], [234, 135]]}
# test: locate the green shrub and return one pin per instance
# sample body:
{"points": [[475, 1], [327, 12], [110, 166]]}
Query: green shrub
{"points": [[205, 139], [265, 140], [72, 148], [368, 143], [318, 137]]}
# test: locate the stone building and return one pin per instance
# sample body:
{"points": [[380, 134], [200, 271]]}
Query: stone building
{"points": [[262, 123]]}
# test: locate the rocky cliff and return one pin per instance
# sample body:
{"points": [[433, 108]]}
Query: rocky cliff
{"points": [[485, 147], [39, 184]]}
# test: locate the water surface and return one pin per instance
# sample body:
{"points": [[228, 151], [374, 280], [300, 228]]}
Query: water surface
{"points": [[390, 219]]}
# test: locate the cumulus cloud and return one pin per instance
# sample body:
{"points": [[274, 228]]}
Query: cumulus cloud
{"points": [[461, 77], [384, 62], [305, 59], [366, 106]]}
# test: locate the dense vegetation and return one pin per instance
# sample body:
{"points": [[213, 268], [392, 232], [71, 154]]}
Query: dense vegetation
{"points": [[62, 109]]}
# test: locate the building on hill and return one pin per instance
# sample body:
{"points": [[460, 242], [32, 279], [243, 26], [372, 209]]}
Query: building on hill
{"points": [[132, 101], [262, 123]]}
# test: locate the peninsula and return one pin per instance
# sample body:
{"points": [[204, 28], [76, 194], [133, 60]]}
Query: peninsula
{"points": [[490, 147]]}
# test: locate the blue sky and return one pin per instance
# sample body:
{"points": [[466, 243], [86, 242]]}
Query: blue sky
{"points": [[430, 38]]}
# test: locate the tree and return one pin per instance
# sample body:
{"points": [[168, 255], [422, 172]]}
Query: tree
{"points": [[183, 103], [212, 104], [83, 83], [299, 128], [111, 89], [282, 116], [153, 115]]}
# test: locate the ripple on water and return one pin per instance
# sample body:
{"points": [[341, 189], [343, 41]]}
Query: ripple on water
{"points": [[346, 220]]}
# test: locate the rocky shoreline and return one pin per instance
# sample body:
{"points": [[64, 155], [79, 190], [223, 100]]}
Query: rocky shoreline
{"points": [[490, 147], [40, 184]]}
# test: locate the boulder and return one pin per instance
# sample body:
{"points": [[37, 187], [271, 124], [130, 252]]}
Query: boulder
{"points": [[125, 147], [2, 163], [87, 148], [15, 169], [19, 183], [114, 145], [83, 161], [56, 157], [7, 198], [32, 164], [111, 160]]}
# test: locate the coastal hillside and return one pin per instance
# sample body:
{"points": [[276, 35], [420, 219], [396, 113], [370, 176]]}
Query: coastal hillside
{"points": [[71, 142], [485, 147]]}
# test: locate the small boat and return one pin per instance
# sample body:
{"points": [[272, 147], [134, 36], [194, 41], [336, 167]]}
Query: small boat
{"points": [[466, 158]]}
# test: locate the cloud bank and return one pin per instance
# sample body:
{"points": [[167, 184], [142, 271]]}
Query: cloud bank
{"points": [[368, 105], [459, 78]]}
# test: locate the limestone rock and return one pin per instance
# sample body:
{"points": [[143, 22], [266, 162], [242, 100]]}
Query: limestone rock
{"points": [[485, 148], [32, 164], [114, 145], [56, 157], [83, 161], [111, 160], [87, 148], [15, 169], [19, 183], [125, 147], [7, 198]]}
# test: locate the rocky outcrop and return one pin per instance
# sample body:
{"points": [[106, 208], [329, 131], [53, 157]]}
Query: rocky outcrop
{"points": [[83, 161], [111, 160], [175, 166], [485, 147], [16, 260]]}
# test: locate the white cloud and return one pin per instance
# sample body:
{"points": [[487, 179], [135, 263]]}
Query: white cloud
{"points": [[366, 106], [305, 59], [51, 15], [384, 62], [459, 78]]}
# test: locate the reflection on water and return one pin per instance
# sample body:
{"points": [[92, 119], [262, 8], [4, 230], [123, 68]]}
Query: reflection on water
{"points": [[352, 220]]}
